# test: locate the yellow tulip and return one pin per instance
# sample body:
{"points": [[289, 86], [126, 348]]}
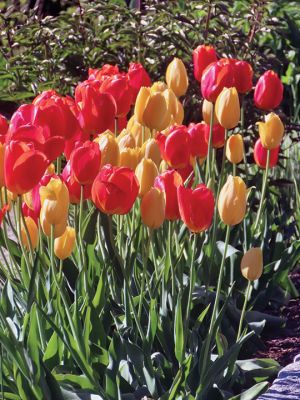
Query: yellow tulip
{"points": [[140, 103], [158, 87], [33, 232], [51, 169], [228, 109], [126, 141], [9, 198], [153, 206], [129, 157], [235, 149], [174, 106], [207, 108], [252, 264], [271, 131], [110, 153], [150, 149], [46, 227], [146, 172], [140, 133], [54, 201], [156, 114], [64, 244], [176, 77], [27, 197], [232, 201]]}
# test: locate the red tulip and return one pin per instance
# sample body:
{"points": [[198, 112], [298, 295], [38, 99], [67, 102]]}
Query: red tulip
{"points": [[198, 144], [3, 211], [196, 207], [138, 77], [74, 187], [243, 74], [202, 57], [97, 111], [35, 193], [115, 190], [260, 155], [187, 173], [218, 135], [118, 87], [3, 128], [175, 148], [168, 182], [23, 167], [268, 91], [215, 77], [85, 162], [101, 74], [28, 212]]}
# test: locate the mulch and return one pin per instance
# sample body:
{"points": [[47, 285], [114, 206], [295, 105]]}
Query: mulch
{"points": [[284, 344]]}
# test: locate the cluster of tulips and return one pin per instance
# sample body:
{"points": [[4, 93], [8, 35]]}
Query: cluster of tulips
{"points": [[59, 151]]}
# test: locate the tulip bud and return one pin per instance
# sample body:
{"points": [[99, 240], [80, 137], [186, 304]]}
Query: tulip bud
{"points": [[243, 75], [126, 141], [198, 144], [140, 103], [158, 87], [215, 77], [146, 172], [150, 149], [64, 244], [32, 231], [176, 77], [153, 207], [46, 227], [129, 158], [252, 264], [268, 91], [271, 131], [85, 162], [139, 132], [156, 114], [109, 148], [207, 108], [260, 155], [202, 57], [218, 136], [232, 201], [54, 201], [228, 109], [235, 149]]}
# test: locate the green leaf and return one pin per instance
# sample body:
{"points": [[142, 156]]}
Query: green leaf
{"points": [[179, 332], [253, 392]]}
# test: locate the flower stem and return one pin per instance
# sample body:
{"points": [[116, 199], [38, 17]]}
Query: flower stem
{"points": [[244, 310], [263, 192], [209, 154]]}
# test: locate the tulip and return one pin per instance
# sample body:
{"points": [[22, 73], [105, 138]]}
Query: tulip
{"points": [[33, 233], [23, 167], [104, 72], [129, 158], [176, 77], [150, 149], [156, 114], [235, 149], [8, 198], [138, 77], [174, 106], [198, 144], [252, 264], [168, 182], [118, 87], [202, 57], [139, 132], [54, 201], [64, 244], [115, 190], [218, 136], [232, 201], [85, 162], [97, 110], [268, 91], [126, 140], [175, 148], [146, 172], [271, 131], [3, 128], [140, 104], [260, 155], [215, 78], [153, 207], [228, 109], [196, 207], [74, 187], [29, 212], [109, 148], [207, 108], [243, 75], [58, 229], [2, 151], [158, 87], [3, 211]]}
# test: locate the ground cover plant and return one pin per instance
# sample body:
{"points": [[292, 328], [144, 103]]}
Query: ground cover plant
{"points": [[149, 202]]}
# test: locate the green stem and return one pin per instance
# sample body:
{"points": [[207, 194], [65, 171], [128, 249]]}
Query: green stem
{"points": [[242, 131], [209, 154], [216, 306], [80, 235], [192, 284], [26, 230], [263, 192], [58, 165], [243, 310], [116, 127], [146, 247], [18, 222]]}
